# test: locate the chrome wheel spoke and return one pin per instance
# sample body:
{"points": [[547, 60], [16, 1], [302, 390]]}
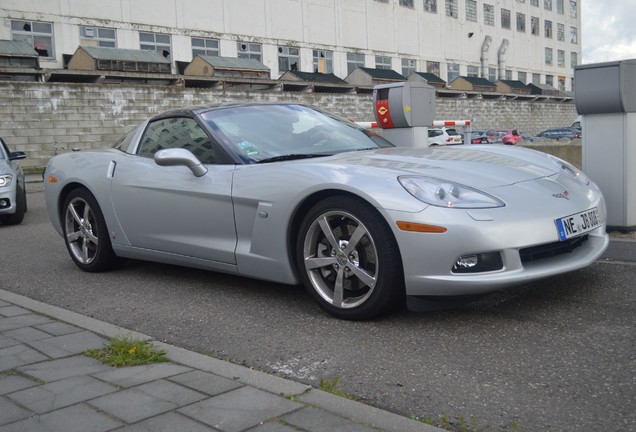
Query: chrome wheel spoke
{"points": [[313, 263], [76, 217], [338, 289], [363, 275], [74, 236], [326, 230], [355, 239]]}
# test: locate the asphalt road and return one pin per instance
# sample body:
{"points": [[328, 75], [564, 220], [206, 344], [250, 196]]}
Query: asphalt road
{"points": [[557, 355]]}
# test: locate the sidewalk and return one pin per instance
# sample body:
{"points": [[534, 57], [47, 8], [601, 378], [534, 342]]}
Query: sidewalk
{"points": [[46, 384]]}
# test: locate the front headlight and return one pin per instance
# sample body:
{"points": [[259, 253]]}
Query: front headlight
{"points": [[5, 180], [570, 170], [443, 193]]}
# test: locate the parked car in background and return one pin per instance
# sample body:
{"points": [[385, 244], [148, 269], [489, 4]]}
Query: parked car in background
{"points": [[527, 137], [482, 137], [13, 200], [561, 133], [443, 136], [576, 124], [509, 136]]}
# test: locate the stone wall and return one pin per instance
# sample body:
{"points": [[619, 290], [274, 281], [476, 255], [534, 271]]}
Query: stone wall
{"points": [[36, 116]]}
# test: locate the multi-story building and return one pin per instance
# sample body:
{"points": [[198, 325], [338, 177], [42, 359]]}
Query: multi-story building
{"points": [[534, 41]]}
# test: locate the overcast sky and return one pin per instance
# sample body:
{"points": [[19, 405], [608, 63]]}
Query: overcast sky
{"points": [[609, 30]]}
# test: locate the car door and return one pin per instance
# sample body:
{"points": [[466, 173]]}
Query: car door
{"points": [[168, 208]]}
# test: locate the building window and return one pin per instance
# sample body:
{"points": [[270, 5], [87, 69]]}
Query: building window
{"points": [[430, 6], [433, 68], [505, 18], [471, 10], [408, 67], [201, 46], [37, 34], [492, 74], [451, 8], [534, 26], [489, 14], [573, 10], [382, 1], [548, 28], [288, 58], [521, 22], [98, 36], [523, 77], [407, 3], [547, 5], [548, 56], [561, 32], [549, 80], [560, 7], [382, 62], [562, 83], [574, 59], [323, 61], [508, 74], [473, 71], [249, 50], [574, 38], [536, 78], [453, 71], [561, 58], [159, 42], [534, 3], [354, 61]]}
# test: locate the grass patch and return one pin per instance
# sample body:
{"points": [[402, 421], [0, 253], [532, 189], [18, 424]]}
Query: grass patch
{"points": [[333, 387], [124, 351]]}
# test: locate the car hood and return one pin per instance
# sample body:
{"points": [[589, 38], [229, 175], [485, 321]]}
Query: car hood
{"points": [[478, 166]]}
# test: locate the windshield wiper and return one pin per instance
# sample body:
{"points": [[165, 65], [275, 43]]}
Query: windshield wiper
{"points": [[292, 156]]}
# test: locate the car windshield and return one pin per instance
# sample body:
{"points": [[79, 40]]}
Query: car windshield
{"points": [[268, 133]]}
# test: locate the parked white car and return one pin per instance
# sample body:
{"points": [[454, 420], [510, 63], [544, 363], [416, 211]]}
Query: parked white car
{"points": [[443, 136]]}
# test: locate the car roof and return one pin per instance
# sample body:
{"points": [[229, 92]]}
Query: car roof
{"points": [[195, 110]]}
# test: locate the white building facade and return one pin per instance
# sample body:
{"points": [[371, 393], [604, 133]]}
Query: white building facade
{"points": [[534, 41]]}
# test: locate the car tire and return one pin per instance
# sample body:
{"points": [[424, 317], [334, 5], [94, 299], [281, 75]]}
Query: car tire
{"points": [[350, 281], [20, 209], [85, 233]]}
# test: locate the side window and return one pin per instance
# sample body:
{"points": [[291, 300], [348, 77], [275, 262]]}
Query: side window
{"points": [[178, 132]]}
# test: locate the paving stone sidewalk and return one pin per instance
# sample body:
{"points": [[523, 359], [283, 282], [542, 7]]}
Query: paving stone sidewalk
{"points": [[46, 384]]}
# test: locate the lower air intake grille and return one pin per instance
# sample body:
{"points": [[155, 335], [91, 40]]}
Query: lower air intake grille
{"points": [[551, 249]]}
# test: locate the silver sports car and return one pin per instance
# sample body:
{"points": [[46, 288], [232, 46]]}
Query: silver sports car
{"points": [[13, 200], [292, 194]]}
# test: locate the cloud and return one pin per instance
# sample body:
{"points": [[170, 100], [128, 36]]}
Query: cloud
{"points": [[608, 33]]}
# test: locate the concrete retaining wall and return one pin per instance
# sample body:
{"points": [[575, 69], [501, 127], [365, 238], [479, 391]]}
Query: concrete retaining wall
{"points": [[35, 116]]}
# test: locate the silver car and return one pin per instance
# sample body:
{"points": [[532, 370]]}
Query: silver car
{"points": [[292, 194], [13, 200]]}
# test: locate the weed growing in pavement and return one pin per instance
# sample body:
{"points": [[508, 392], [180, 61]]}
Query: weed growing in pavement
{"points": [[460, 424], [125, 351], [333, 387]]}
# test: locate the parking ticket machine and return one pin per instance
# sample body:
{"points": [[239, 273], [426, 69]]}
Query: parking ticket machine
{"points": [[404, 111]]}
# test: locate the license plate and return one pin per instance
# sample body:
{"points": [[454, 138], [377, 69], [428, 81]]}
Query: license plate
{"points": [[578, 223]]}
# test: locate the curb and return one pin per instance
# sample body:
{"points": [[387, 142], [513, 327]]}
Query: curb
{"points": [[353, 410]]}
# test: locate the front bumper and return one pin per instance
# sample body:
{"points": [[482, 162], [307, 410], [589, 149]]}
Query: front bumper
{"points": [[7, 200], [514, 233]]}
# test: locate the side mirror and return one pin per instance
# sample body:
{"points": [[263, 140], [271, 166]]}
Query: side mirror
{"points": [[17, 155], [180, 157]]}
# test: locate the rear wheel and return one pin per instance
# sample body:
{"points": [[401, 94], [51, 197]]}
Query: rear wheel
{"points": [[348, 259], [85, 233]]}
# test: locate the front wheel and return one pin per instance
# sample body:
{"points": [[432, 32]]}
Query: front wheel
{"points": [[85, 233], [348, 259]]}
